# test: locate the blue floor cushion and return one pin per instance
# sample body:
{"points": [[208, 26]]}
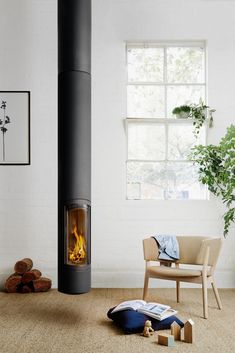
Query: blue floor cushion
{"points": [[132, 321]]}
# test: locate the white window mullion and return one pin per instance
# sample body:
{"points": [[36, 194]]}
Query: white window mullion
{"points": [[167, 134], [205, 74], [165, 80], [153, 83], [166, 159]]}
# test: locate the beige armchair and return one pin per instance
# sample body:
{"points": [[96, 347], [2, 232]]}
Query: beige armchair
{"points": [[200, 251]]}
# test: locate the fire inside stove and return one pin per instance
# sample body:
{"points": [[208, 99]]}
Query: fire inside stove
{"points": [[76, 236], [78, 252]]}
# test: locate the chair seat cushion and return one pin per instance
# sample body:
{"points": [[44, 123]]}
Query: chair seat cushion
{"points": [[172, 272], [131, 321]]}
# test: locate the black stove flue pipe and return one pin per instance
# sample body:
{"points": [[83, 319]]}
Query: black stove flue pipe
{"points": [[74, 129]]}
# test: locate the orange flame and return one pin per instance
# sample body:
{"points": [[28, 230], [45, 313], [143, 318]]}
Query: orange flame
{"points": [[78, 253]]}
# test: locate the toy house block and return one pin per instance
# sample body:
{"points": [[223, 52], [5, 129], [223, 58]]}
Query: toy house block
{"points": [[189, 331], [176, 331], [166, 340]]}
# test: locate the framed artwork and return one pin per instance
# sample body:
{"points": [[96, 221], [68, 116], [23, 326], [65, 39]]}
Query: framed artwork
{"points": [[14, 127]]}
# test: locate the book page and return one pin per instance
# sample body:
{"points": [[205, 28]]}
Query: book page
{"points": [[129, 304], [166, 314], [154, 308]]}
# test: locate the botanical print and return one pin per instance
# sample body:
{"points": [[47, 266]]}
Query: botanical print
{"points": [[3, 122], [14, 127]]}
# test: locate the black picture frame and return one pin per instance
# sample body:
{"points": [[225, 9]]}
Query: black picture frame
{"points": [[15, 128]]}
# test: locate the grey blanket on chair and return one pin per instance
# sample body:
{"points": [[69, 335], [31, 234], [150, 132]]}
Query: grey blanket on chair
{"points": [[168, 247]]}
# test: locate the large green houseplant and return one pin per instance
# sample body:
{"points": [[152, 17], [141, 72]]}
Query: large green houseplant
{"points": [[217, 170]]}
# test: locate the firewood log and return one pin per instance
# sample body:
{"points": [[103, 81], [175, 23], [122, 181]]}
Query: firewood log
{"points": [[23, 266], [12, 283], [20, 287], [31, 276], [42, 284], [14, 274], [26, 289]]}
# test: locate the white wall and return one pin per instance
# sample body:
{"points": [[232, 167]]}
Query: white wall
{"points": [[119, 225], [28, 61], [28, 194]]}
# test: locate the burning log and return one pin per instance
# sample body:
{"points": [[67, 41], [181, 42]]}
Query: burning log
{"points": [[23, 266], [12, 283], [42, 284], [30, 276]]}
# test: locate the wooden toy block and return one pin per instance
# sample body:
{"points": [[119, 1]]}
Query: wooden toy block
{"points": [[189, 331], [166, 340], [176, 331]]}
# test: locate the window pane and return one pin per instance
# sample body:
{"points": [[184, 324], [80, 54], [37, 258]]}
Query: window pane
{"points": [[183, 182], [146, 141], [145, 101], [145, 64], [180, 95], [133, 191], [174, 180], [146, 180], [185, 65], [181, 139]]}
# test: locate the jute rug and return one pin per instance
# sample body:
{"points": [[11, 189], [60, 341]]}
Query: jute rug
{"points": [[57, 323]]}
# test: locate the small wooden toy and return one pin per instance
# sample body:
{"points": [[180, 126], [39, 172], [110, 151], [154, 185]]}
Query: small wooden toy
{"points": [[148, 330], [166, 340], [176, 331], [189, 331]]}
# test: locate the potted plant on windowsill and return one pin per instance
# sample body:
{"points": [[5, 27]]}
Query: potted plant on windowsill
{"points": [[182, 112], [199, 113], [217, 170]]}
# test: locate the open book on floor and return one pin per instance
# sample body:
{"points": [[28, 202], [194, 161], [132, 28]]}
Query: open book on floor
{"points": [[155, 310]]}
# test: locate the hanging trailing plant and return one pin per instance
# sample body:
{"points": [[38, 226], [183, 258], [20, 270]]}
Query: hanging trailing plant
{"points": [[199, 113], [217, 170]]}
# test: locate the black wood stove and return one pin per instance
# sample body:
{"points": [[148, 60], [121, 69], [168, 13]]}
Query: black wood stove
{"points": [[74, 146]]}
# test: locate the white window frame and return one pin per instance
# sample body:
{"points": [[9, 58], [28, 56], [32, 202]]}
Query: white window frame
{"points": [[166, 121]]}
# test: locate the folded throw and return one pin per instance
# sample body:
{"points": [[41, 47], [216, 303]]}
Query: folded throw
{"points": [[168, 247]]}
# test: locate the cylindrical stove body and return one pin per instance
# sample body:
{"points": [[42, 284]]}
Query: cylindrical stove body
{"points": [[74, 146]]}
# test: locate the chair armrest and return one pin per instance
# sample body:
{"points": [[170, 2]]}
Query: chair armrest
{"points": [[214, 245]]}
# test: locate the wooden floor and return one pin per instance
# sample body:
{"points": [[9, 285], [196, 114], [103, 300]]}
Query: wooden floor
{"points": [[57, 323]]}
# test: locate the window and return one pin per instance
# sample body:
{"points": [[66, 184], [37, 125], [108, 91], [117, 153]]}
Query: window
{"points": [[161, 77]]}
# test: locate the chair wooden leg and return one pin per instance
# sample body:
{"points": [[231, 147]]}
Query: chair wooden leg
{"points": [[146, 282], [216, 293], [178, 291], [204, 297]]}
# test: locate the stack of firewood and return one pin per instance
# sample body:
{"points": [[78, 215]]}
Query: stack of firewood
{"points": [[26, 280]]}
